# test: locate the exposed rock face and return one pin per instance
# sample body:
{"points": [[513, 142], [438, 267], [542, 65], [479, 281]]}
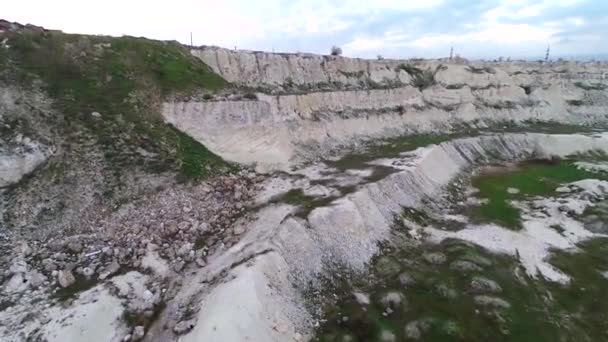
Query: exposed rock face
{"points": [[272, 130]]}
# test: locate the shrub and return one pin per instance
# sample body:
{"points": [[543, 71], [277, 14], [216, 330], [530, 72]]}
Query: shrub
{"points": [[421, 79], [336, 51]]}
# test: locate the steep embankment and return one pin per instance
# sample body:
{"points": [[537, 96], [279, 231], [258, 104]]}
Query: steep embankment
{"points": [[322, 103]]}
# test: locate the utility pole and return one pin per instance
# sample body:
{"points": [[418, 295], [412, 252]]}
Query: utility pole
{"points": [[547, 55], [191, 43]]}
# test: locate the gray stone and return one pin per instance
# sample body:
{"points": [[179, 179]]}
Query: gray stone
{"points": [[138, 333], [65, 278], [361, 298], [406, 279], [465, 266], [412, 331], [445, 291], [200, 262], [18, 266], [35, 278], [88, 272], [494, 302], [477, 259], [16, 284], [512, 191], [484, 285], [74, 246], [436, 258], [392, 299], [184, 326], [110, 270], [387, 336]]}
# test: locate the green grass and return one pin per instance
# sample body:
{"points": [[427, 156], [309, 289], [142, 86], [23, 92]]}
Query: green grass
{"points": [[534, 178], [541, 311], [124, 79], [305, 203], [389, 148]]}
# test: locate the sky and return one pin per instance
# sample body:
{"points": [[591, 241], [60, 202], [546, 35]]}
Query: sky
{"points": [[391, 28]]}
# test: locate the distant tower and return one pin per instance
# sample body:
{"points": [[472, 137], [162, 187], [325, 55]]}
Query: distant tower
{"points": [[451, 52], [547, 55]]}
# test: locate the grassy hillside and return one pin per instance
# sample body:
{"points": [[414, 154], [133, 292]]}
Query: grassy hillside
{"points": [[109, 89]]}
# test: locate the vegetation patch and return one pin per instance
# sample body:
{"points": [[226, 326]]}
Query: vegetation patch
{"points": [[438, 302], [110, 89], [532, 178], [421, 79], [305, 203]]}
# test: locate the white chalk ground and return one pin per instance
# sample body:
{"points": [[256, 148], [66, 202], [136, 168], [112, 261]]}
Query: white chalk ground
{"points": [[593, 167], [94, 317], [249, 307], [534, 242]]}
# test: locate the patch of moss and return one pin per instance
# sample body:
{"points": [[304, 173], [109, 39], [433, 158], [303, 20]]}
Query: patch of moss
{"points": [[533, 178]]}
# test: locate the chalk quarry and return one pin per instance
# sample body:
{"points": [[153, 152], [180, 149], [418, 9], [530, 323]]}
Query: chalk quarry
{"points": [[255, 253]]}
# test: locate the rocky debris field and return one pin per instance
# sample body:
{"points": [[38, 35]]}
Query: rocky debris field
{"points": [[162, 235]]}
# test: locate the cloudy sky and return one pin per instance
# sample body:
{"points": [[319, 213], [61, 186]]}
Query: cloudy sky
{"points": [[363, 28]]}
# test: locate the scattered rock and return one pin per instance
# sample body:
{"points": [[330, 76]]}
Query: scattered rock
{"points": [[96, 115], [414, 330], [465, 266], [16, 284], [88, 272], [35, 278], [184, 326], [445, 291], [74, 246], [392, 299], [65, 278], [387, 336], [200, 262], [436, 258], [406, 279], [484, 285], [512, 191], [138, 333], [361, 298], [494, 302], [110, 270], [478, 260], [18, 266]]}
